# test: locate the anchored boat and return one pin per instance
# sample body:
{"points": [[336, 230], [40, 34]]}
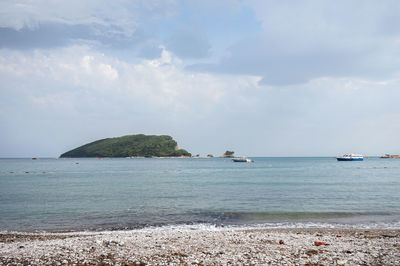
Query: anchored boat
{"points": [[242, 160], [350, 157]]}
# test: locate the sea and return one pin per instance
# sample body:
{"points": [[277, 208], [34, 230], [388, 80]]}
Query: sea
{"points": [[98, 194]]}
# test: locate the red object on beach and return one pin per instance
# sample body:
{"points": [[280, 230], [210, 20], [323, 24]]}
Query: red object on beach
{"points": [[319, 243], [338, 235]]}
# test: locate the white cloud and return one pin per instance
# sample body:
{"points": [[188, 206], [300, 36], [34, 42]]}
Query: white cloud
{"points": [[159, 83], [101, 69]]}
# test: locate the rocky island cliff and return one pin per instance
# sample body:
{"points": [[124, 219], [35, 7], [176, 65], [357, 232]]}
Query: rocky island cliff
{"points": [[129, 146]]}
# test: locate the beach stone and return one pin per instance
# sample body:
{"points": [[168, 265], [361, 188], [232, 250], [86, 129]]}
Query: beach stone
{"points": [[360, 255], [236, 247], [311, 252]]}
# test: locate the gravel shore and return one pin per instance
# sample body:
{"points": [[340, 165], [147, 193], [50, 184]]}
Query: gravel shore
{"points": [[204, 247]]}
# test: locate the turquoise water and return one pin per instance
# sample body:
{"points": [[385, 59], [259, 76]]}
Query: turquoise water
{"points": [[100, 194]]}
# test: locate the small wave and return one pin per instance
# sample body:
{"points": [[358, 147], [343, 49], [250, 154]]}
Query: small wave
{"points": [[206, 227], [216, 221]]}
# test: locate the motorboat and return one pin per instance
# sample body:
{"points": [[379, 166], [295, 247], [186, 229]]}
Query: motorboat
{"points": [[350, 157], [242, 160]]}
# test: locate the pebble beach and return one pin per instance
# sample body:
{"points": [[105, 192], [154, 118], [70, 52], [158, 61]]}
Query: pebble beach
{"points": [[221, 246]]}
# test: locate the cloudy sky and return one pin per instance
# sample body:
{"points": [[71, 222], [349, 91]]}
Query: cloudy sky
{"points": [[262, 78]]}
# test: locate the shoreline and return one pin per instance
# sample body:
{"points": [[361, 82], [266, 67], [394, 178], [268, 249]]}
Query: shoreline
{"points": [[204, 247], [208, 226]]}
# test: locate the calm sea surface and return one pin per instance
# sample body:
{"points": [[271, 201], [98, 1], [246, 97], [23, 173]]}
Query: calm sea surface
{"points": [[102, 194]]}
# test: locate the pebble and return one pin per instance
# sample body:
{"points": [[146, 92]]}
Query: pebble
{"points": [[221, 246]]}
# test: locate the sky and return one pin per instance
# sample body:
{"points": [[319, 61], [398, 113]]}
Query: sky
{"points": [[259, 77]]}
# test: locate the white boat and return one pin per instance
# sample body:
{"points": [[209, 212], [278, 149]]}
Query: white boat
{"points": [[350, 157], [242, 160]]}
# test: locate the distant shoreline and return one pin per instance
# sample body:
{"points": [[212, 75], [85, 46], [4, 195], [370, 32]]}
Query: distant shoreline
{"points": [[179, 157]]}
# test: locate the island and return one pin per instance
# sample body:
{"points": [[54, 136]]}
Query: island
{"points": [[139, 145], [228, 154]]}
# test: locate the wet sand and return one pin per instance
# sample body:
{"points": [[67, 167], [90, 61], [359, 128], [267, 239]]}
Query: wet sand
{"points": [[204, 247]]}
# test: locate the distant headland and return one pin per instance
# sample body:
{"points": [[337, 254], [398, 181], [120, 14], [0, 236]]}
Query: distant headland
{"points": [[391, 156], [129, 146]]}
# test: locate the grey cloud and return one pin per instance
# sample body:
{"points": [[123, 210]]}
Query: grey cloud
{"points": [[301, 42], [115, 25], [189, 43], [150, 50], [46, 36], [50, 35], [55, 35], [279, 67]]}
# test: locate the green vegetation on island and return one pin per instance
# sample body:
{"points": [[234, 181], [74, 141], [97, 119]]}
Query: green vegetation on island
{"points": [[129, 146]]}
